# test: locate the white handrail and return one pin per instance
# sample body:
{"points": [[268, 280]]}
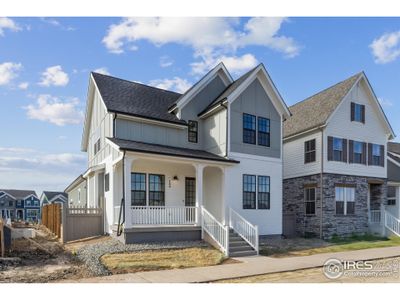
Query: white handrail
{"points": [[163, 215], [392, 223], [218, 232], [244, 228]]}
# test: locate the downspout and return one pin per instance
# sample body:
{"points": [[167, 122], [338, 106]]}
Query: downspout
{"points": [[321, 181], [122, 207], [226, 129], [114, 124]]}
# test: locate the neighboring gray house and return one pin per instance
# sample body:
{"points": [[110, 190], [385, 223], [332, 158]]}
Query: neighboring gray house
{"points": [[48, 197], [393, 194], [26, 205], [7, 206], [206, 163], [335, 170]]}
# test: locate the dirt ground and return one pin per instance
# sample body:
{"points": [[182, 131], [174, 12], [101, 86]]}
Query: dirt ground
{"points": [[42, 260]]}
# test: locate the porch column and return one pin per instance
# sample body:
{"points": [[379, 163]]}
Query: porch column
{"points": [[224, 204], [199, 191], [127, 193]]}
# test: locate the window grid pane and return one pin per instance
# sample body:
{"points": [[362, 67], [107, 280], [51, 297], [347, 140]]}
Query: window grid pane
{"points": [[138, 189], [263, 192], [249, 129], [156, 190], [192, 131], [249, 192]]}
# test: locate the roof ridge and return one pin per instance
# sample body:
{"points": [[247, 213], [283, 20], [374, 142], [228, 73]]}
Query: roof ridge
{"points": [[135, 82], [328, 88]]}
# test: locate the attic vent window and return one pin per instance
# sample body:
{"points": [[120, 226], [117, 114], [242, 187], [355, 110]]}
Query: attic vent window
{"points": [[193, 131]]}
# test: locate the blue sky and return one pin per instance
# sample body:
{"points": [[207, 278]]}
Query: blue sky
{"points": [[45, 65]]}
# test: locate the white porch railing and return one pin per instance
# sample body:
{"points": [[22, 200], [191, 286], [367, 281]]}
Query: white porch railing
{"points": [[163, 215], [83, 210], [244, 228], [392, 223], [218, 232], [116, 214], [375, 216]]}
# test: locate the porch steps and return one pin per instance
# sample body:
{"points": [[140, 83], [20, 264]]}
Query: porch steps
{"points": [[239, 247]]}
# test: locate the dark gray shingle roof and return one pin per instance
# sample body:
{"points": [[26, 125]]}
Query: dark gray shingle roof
{"points": [[167, 150], [51, 195], [315, 110], [394, 157], [19, 194], [136, 99], [229, 90], [393, 147]]}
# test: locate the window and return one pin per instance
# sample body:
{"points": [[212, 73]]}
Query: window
{"points": [[2, 203], [345, 200], [32, 213], [97, 146], [357, 112], [28, 202], [263, 192], [249, 192], [156, 190], [249, 129], [337, 149], [192, 131], [357, 152], [107, 182], [309, 197], [10, 203], [391, 195], [36, 203], [138, 189], [309, 151], [376, 154], [263, 131], [19, 203], [79, 196]]}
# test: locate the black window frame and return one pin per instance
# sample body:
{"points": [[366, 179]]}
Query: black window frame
{"points": [[135, 191], [358, 112], [156, 196], [249, 134], [264, 134], [391, 199], [336, 151], [193, 131], [107, 182], [264, 197], [310, 153], [249, 195], [309, 202], [97, 146]]}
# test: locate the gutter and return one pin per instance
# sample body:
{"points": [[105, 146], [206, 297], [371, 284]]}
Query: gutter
{"points": [[226, 130]]}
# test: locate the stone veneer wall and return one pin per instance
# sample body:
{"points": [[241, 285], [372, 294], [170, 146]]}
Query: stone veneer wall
{"points": [[332, 224]]}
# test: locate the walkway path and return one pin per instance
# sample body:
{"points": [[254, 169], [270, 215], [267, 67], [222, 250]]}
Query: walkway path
{"points": [[250, 266]]}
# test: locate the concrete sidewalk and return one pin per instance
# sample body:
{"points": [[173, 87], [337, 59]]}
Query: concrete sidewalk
{"points": [[255, 265]]}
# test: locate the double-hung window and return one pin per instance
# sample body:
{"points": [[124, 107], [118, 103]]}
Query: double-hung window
{"points": [[263, 200], [345, 200], [264, 131], [156, 190], [357, 152], [309, 151], [193, 129], [138, 189], [309, 197], [357, 112], [249, 192], [391, 195], [337, 149], [97, 146], [376, 154], [249, 129]]}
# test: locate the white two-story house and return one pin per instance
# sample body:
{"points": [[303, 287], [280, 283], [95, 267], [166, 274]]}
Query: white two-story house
{"points": [[335, 170], [203, 164]]}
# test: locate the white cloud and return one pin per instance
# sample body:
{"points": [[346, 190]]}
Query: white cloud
{"points": [[54, 76], [385, 102], [166, 61], [102, 70], [176, 84], [386, 48], [52, 109], [56, 23], [8, 71], [23, 85], [209, 37], [9, 24]]}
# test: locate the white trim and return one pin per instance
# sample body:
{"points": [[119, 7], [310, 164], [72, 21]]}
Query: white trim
{"points": [[59, 196], [215, 109], [394, 154], [93, 169], [393, 161], [256, 157], [303, 133], [150, 121], [31, 195], [5, 193]]}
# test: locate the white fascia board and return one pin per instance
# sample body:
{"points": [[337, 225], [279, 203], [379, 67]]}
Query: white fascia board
{"points": [[275, 97], [30, 195], [393, 161], [150, 121], [5, 193]]}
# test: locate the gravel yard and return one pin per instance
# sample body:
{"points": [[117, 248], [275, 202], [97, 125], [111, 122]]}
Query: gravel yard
{"points": [[91, 254]]}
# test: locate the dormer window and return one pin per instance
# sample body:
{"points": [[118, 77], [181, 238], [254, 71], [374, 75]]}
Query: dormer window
{"points": [[357, 112], [193, 131]]}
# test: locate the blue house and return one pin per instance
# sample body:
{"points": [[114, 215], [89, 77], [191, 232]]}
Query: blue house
{"points": [[26, 204]]}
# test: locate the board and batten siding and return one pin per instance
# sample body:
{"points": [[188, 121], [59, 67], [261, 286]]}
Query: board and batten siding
{"points": [[341, 126], [214, 133], [293, 157], [255, 101], [101, 126]]}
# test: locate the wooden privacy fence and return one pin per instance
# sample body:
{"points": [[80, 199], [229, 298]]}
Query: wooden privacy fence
{"points": [[81, 222], [51, 218]]}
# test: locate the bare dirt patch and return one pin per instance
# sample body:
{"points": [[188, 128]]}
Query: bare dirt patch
{"points": [[41, 259]]}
